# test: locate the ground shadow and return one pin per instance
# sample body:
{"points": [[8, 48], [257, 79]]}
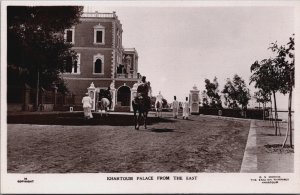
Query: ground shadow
{"points": [[77, 119], [162, 130], [268, 134]]}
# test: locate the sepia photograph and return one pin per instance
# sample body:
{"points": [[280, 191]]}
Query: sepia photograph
{"points": [[149, 97]]}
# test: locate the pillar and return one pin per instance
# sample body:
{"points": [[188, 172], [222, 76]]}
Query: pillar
{"points": [[133, 94], [113, 96], [194, 100], [26, 99], [54, 93]]}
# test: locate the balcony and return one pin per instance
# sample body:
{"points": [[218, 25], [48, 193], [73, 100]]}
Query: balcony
{"points": [[127, 75]]}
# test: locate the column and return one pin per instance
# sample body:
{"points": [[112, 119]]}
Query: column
{"points": [[113, 96], [133, 94], [194, 100]]}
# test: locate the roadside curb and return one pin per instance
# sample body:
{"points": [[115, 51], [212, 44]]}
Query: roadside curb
{"points": [[249, 163]]}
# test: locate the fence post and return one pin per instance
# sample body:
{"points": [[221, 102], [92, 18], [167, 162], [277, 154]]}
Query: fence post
{"points": [[26, 100], [54, 93], [42, 98]]}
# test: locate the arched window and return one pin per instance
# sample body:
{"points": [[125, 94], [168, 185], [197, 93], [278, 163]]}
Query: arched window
{"points": [[98, 66]]}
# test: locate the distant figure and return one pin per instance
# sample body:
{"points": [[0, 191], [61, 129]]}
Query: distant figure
{"points": [[159, 104], [185, 106], [87, 106], [175, 106], [159, 98]]}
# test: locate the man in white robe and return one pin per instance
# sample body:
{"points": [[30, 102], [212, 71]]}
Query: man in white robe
{"points": [[186, 109], [175, 106], [87, 106]]}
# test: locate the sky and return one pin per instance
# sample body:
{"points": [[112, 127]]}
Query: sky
{"points": [[180, 47]]}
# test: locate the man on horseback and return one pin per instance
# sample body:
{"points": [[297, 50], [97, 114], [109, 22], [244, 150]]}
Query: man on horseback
{"points": [[142, 92], [141, 103], [158, 104]]}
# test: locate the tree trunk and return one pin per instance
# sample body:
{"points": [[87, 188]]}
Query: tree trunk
{"points": [[37, 90], [271, 113], [290, 118], [289, 125], [263, 108], [275, 107]]}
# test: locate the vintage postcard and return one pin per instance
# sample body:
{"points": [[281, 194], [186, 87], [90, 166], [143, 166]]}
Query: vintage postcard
{"points": [[150, 97]]}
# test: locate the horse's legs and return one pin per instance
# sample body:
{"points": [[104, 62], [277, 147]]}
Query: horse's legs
{"points": [[138, 120], [135, 119], [145, 119], [106, 111]]}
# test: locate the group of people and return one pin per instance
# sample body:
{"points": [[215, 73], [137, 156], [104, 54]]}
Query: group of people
{"points": [[185, 108], [142, 92], [144, 88], [87, 102]]}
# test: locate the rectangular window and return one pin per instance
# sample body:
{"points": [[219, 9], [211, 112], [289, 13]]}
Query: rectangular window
{"points": [[99, 38], [69, 35]]}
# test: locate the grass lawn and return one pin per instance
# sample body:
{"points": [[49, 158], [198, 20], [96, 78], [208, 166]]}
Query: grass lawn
{"points": [[201, 144]]}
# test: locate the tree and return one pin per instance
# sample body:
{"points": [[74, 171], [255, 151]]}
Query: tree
{"points": [[205, 103], [266, 76], [164, 103], [236, 93], [36, 44], [285, 61], [212, 92], [262, 97]]}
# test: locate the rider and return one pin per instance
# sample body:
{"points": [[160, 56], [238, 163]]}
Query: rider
{"points": [[159, 98], [143, 90]]}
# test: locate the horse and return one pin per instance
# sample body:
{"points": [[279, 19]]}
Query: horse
{"points": [[158, 108], [140, 104], [103, 104]]}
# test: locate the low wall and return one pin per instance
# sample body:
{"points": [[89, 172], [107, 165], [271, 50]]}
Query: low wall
{"points": [[250, 113], [14, 107]]}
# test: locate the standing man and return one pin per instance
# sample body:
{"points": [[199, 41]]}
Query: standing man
{"points": [[175, 106], [87, 106], [186, 111]]}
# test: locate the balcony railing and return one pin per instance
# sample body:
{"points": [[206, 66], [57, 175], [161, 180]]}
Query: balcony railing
{"points": [[99, 15], [126, 75]]}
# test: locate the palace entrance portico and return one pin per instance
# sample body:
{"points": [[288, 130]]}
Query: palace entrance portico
{"points": [[121, 97]]}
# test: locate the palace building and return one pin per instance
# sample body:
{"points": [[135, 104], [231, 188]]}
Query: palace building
{"points": [[102, 61]]}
